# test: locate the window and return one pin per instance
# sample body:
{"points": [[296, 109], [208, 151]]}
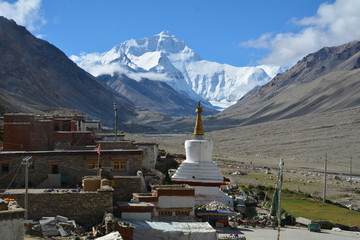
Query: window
{"points": [[54, 169], [54, 166], [5, 167], [182, 213], [120, 165], [31, 166], [165, 213], [67, 126], [94, 164]]}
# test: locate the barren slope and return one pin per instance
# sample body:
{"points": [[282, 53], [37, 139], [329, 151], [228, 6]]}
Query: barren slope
{"points": [[36, 76], [323, 81]]}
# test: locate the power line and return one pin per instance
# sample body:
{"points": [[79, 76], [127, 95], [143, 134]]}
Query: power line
{"points": [[325, 165], [9, 172], [11, 180]]}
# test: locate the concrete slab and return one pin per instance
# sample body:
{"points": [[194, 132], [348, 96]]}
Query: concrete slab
{"points": [[303, 221]]}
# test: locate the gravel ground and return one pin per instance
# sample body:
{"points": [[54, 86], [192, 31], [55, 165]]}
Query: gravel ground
{"points": [[302, 142]]}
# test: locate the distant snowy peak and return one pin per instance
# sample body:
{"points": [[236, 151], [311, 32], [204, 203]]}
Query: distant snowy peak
{"points": [[140, 55], [163, 42], [222, 84], [163, 57], [273, 70]]}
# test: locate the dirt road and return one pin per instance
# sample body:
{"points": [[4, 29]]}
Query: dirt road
{"points": [[287, 233]]}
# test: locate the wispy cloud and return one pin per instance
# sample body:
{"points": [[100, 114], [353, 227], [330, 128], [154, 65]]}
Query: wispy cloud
{"points": [[334, 24], [94, 64], [24, 12]]}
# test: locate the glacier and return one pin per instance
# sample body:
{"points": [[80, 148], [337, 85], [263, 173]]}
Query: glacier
{"points": [[163, 57]]}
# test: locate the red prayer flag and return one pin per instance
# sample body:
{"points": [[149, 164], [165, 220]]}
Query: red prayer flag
{"points": [[98, 149]]}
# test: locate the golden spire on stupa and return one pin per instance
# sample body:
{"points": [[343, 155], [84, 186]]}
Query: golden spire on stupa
{"points": [[199, 130]]}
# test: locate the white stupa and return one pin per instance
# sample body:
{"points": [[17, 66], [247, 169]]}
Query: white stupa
{"points": [[198, 170]]}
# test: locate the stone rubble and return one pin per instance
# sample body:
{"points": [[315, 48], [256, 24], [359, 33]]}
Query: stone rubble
{"points": [[55, 226], [217, 206], [110, 224]]}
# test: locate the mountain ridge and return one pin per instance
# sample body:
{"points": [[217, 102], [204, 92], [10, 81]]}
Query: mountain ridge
{"points": [[36, 76], [163, 57], [156, 96], [322, 81]]}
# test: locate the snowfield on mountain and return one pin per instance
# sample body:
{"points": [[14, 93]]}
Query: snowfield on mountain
{"points": [[163, 57]]}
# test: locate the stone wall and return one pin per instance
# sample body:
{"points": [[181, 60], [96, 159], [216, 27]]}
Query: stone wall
{"points": [[125, 144], [125, 186], [86, 208], [151, 153], [12, 224], [71, 165]]}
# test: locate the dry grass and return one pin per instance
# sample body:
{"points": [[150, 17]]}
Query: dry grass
{"points": [[316, 210]]}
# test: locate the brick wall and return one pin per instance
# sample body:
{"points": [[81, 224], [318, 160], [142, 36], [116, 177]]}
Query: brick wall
{"points": [[125, 144], [74, 138], [23, 132], [14, 127], [41, 135], [86, 208], [27, 132], [125, 186]]}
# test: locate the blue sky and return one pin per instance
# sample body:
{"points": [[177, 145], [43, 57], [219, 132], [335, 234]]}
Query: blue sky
{"points": [[239, 33]]}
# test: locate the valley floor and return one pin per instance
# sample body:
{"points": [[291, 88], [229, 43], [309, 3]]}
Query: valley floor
{"points": [[302, 142]]}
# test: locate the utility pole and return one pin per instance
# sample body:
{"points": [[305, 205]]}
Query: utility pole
{"points": [[351, 169], [281, 165], [115, 109], [26, 164], [325, 166]]}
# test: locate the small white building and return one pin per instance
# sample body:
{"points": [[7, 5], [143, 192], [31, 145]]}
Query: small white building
{"points": [[172, 202], [136, 210]]}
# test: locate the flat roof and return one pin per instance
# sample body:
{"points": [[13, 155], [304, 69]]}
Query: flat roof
{"points": [[172, 226], [73, 152], [135, 204]]}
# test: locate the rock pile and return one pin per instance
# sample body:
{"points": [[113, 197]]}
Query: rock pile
{"points": [[110, 224], [55, 226], [217, 206]]}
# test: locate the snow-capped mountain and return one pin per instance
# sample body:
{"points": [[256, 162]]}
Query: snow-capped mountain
{"points": [[163, 57]]}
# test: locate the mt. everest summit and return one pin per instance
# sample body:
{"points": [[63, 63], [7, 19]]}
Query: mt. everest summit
{"points": [[165, 58]]}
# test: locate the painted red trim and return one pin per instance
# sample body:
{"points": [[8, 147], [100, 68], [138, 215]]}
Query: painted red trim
{"points": [[205, 184], [119, 160]]}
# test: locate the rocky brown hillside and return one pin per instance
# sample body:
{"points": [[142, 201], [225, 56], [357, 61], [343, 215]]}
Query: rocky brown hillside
{"points": [[37, 77], [324, 81], [155, 96]]}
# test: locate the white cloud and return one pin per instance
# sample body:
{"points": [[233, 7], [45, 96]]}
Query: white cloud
{"points": [[24, 12], [334, 24], [42, 36], [94, 64]]}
